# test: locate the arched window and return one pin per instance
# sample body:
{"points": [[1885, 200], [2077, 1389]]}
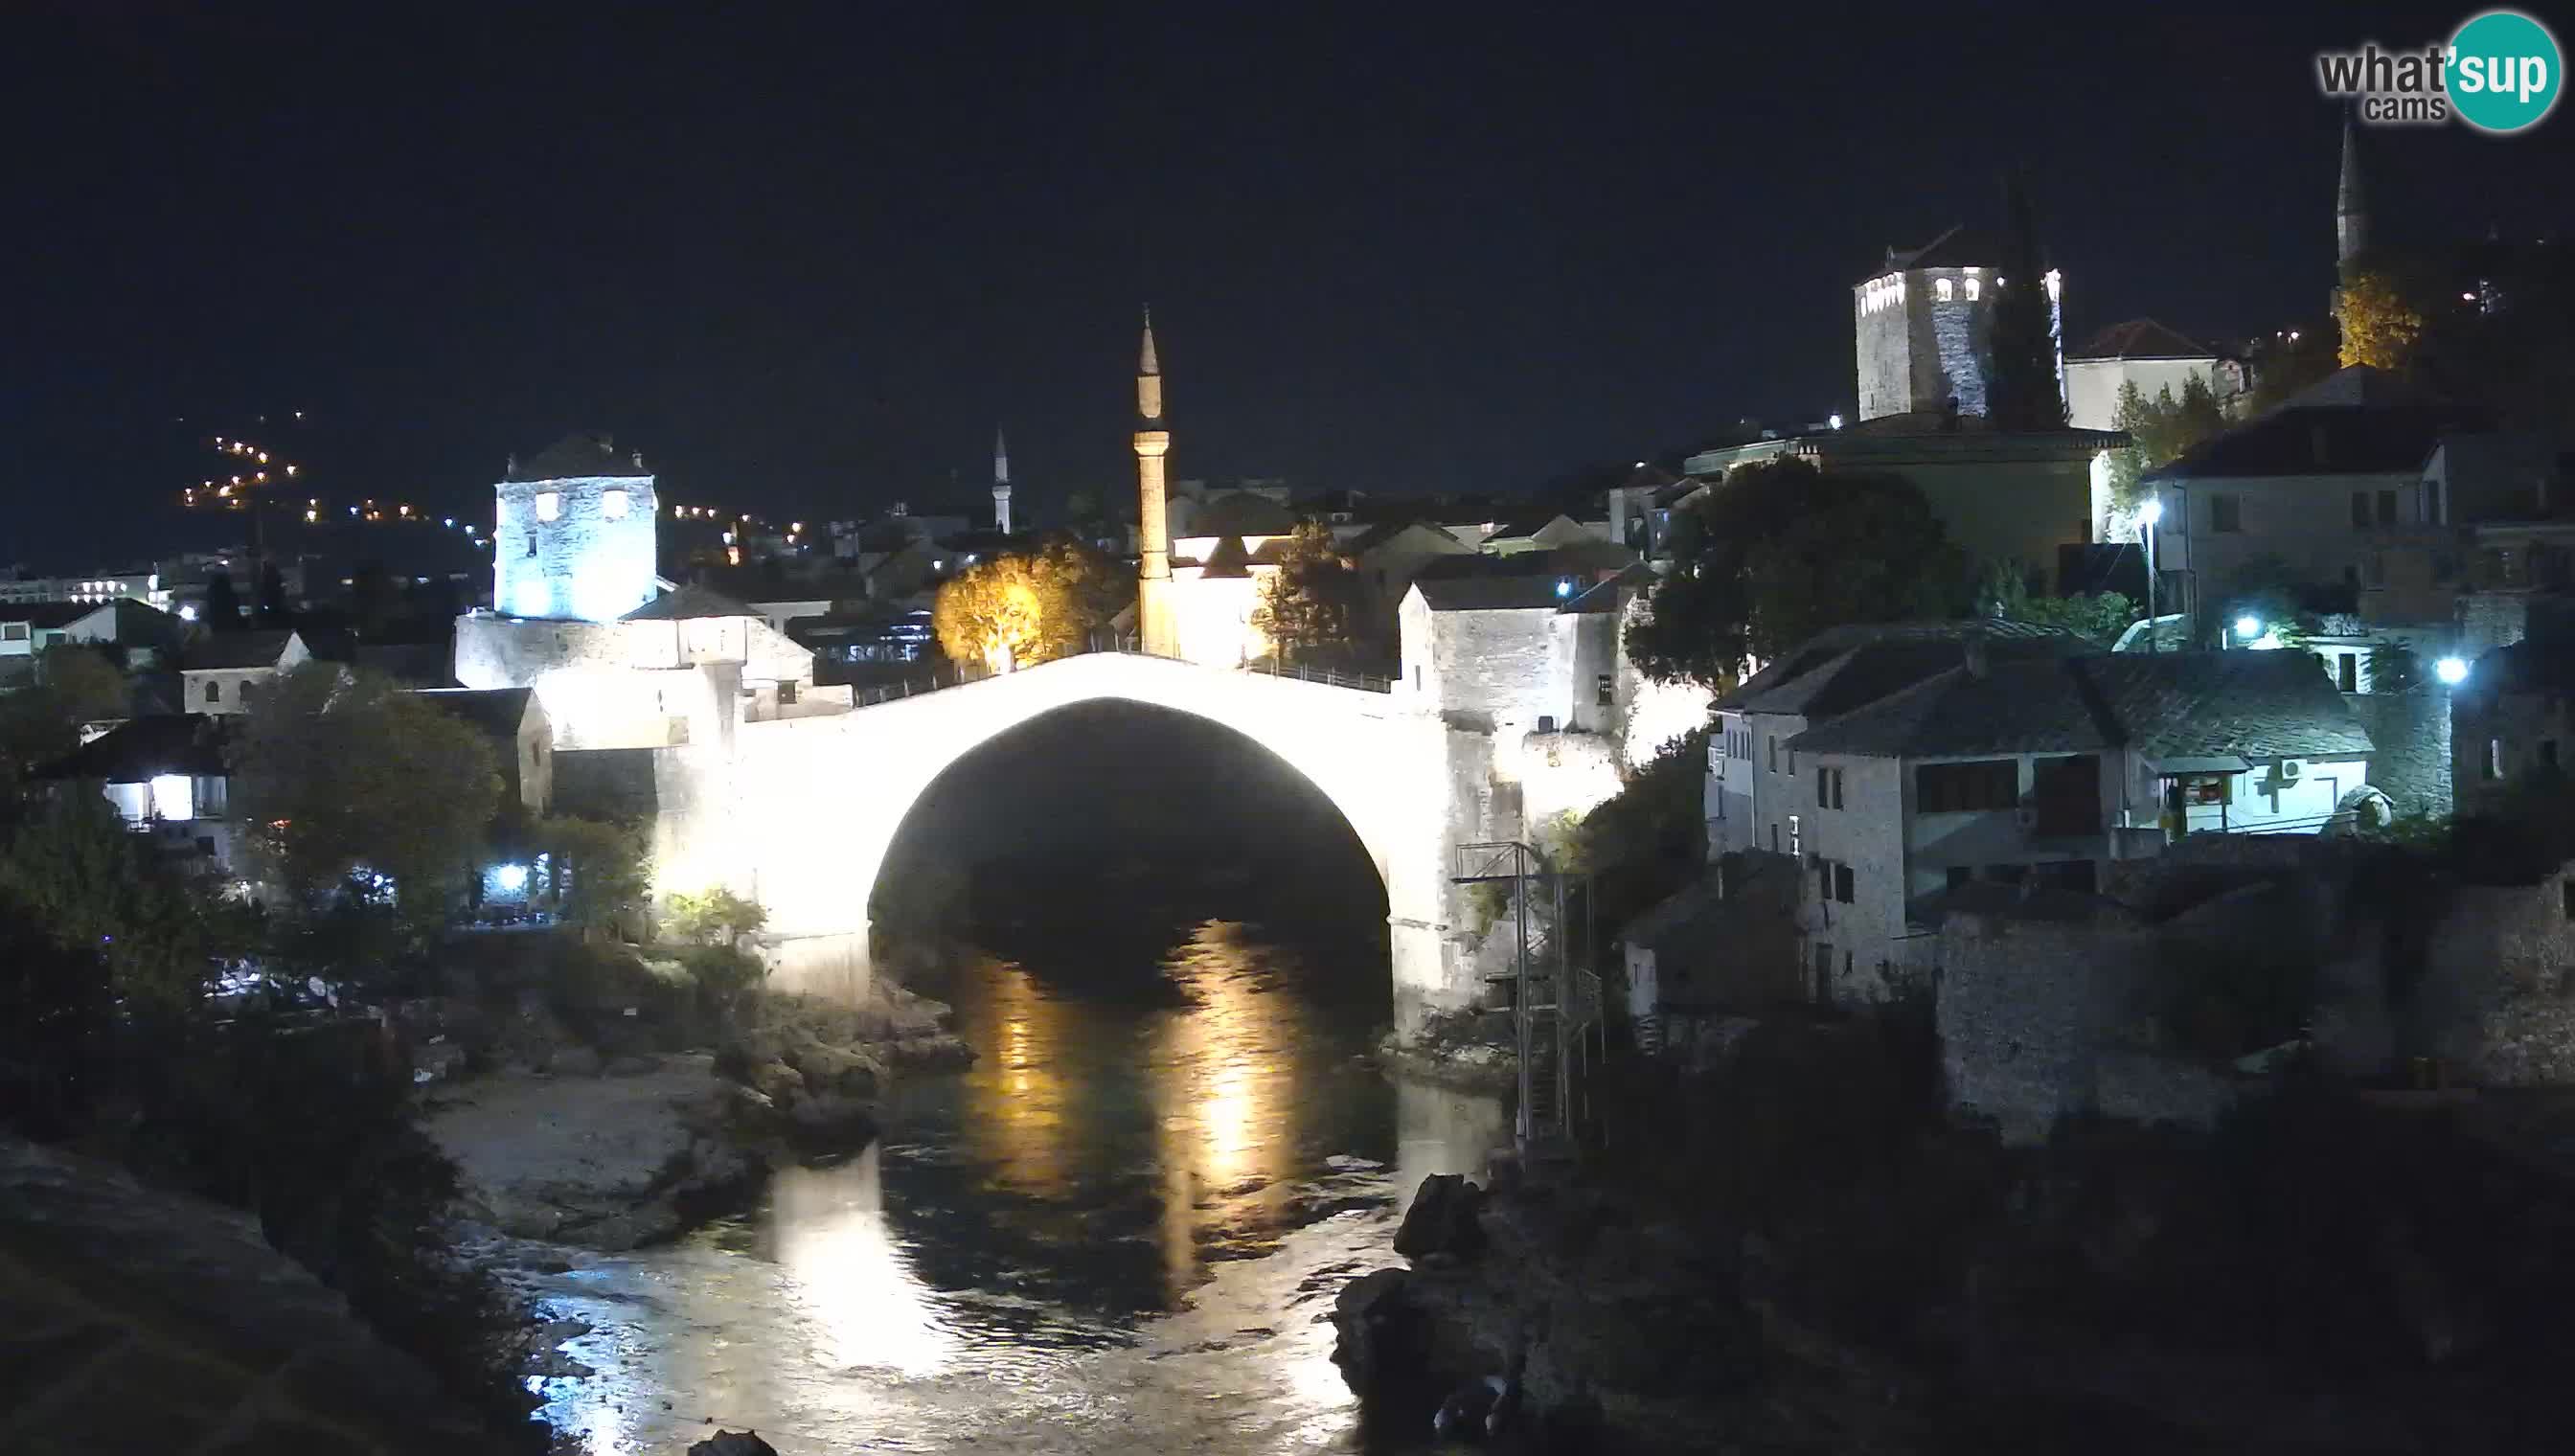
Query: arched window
{"points": [[1942, 289], [1976, 287], [214, 690]]}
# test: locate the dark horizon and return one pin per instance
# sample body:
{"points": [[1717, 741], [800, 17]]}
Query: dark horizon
{"points": [[807, 264]]}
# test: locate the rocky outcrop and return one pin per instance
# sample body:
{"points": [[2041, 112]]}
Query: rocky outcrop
{"points": [[733, 1443], [136, 1320], [607, 1163]]}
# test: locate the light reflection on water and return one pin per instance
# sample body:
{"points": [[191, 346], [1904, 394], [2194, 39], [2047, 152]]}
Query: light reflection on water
{"points": [[1120, 1229]]}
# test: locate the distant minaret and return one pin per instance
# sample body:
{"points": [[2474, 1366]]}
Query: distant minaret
{"points": [[1154, 621], [1001, 483], [2351, 205]]}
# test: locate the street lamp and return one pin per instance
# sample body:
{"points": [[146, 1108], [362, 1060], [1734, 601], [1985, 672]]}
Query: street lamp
{"points": [[2451, 671], [2148, 516], [2249, 627]]}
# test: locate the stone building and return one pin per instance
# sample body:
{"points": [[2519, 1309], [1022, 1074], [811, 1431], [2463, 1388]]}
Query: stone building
{"points": [[2511, 718], [574, 532], [2040, 772], [2144, 353], [225, 671], [1925, 324]]}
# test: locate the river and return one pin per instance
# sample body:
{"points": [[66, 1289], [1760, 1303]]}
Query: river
{"points": [[1120, 1231]]}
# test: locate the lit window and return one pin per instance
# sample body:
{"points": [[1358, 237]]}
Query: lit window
{"points": [[1943, 290], [548, 504], [612, 504], [1976, 287]]}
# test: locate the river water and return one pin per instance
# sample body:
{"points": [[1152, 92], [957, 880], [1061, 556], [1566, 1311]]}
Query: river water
{"points": [[1120, 1231]]}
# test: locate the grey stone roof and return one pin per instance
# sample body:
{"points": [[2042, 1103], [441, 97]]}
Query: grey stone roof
{"points": [[2256, 705], [1516, 592], [688, 601], [1959, 247], [577, 455], [2141, 339], [1227, 559], [236, 649], [48, 614], [142, 748], [1241, 512], [1849, 667]]}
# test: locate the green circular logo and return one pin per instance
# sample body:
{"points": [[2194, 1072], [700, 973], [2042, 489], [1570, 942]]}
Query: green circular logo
{"points": [[2505, 71]]}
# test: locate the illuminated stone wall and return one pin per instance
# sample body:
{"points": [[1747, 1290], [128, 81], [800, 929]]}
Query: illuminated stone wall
{"points": [[593, 561]]}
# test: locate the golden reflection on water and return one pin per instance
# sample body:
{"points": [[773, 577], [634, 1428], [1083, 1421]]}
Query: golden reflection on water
{"points": [[869, 1309], [1217, 1072]]}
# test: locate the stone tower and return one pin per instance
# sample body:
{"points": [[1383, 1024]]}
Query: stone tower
{"points": [[2351, 205], [573, 534], [1001, 483], [1157, 624]]}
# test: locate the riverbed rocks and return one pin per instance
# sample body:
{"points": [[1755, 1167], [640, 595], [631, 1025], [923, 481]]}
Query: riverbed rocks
{"points": [[733, 1443], [1440, 1221], [602, 1162]]}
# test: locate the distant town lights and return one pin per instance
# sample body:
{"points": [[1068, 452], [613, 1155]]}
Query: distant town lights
{"points": [[2451, 671]]}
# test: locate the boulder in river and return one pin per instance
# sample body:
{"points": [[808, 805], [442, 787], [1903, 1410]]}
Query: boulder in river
{"points": [[733, 1443], [1441, 1221]]}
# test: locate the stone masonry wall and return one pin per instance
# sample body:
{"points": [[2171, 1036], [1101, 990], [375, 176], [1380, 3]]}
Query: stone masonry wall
{"points": [[2411, 760], [585, 563], [1492, 668]]}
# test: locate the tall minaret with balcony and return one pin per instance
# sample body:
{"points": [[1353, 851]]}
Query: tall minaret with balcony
{"points": [[1155, 623], [1001, 483]]}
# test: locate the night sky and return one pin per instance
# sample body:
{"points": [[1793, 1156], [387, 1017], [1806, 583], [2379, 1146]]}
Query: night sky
{"points": [[806, 259]]}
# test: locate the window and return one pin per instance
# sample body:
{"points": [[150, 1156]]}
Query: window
{"points": [[532, 545], [1824, 972], [2360, 508], [1975, 289], [787, 693], [1797, 840], [1606, 691], [214, 690], [13, 631], [1828, 789], [2387, 508], [2208, 790], [2225, 513], [2347, 671], [612, 504], [248, 694], [548, 504], [1774, 753], [2493, 768], [1842, 884], [1966, 788], [1943, 290], [1775, 838], [1417, 676], [2566, 893]]}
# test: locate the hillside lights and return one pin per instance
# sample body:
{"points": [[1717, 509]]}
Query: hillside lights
{"points": [[2451, 671]]}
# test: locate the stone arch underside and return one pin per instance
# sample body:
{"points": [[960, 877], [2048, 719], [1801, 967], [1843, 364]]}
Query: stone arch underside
{"points": [[814, 804]]}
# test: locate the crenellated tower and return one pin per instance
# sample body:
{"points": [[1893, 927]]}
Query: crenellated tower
{"points": [[1157, 625]]}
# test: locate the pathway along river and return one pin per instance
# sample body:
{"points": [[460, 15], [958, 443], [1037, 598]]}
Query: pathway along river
{"points": [[1120, 1231]]}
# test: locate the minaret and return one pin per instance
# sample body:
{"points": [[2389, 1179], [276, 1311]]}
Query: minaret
{"points": [[2351, 205], [1001, 482], [1154, 621]]}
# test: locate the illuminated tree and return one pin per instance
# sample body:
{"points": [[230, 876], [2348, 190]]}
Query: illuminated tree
{"points": [[2102, 615], [359, 789], [714, 917], [599, 869], [2379, 325], [1023, 609], [1312, 601], [2159, 432]]}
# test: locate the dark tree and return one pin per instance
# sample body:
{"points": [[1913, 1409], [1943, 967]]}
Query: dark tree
{"points": [[1776, 553], [372, 601], [1312, 603], [272, 594], [2025, 393], [223, 604]]}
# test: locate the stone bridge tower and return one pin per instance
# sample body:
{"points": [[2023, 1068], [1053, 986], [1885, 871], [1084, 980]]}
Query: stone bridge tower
{"points": [[1156, 625]]}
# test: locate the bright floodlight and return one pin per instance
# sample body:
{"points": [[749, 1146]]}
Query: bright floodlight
{"points": [[2249, 627], [1833, 423], [2451, 671], [2151, 513], [1564, 586], [511, 877]]}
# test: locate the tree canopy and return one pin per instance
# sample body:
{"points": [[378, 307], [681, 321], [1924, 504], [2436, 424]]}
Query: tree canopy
{"points": [[1311, 602], [74, 684], [73, 872], [2102, 615], [2160, 431], [599, 869], [1025, 608], [348, 775], [1776, 553], [2380, 326]]}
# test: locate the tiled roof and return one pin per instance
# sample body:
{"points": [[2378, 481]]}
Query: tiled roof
{"points": [[1520, 592], [498, 711], [2317, 439], [2141, 339], [144, 747], [1227, 559], [1959, 247], [48, 614], [238, 650], [686, 603], [577, 455], [420, 664], [1241, 512], [2256, 705], [2528, 665], [2259, 704], [1847, 666]]}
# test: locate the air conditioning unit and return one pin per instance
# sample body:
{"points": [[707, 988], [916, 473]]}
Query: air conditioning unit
{"points": [[2288, 770]]}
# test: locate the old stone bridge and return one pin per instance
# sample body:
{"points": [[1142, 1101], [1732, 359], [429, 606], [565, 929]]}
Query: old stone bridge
{"points": [[800, 812]]}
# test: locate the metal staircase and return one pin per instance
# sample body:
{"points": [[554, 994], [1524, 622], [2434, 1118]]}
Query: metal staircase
{"points": [[1555, 997]]}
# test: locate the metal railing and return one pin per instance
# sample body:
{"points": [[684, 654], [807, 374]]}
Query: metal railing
{"points": [[959, 675]]}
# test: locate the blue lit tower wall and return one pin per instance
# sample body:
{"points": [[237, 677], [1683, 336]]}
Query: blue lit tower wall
{"points": [[1925, 335], [579, 548]]}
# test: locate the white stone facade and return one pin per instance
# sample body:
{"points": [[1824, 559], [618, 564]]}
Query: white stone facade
{"points": [[580, 548]]}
